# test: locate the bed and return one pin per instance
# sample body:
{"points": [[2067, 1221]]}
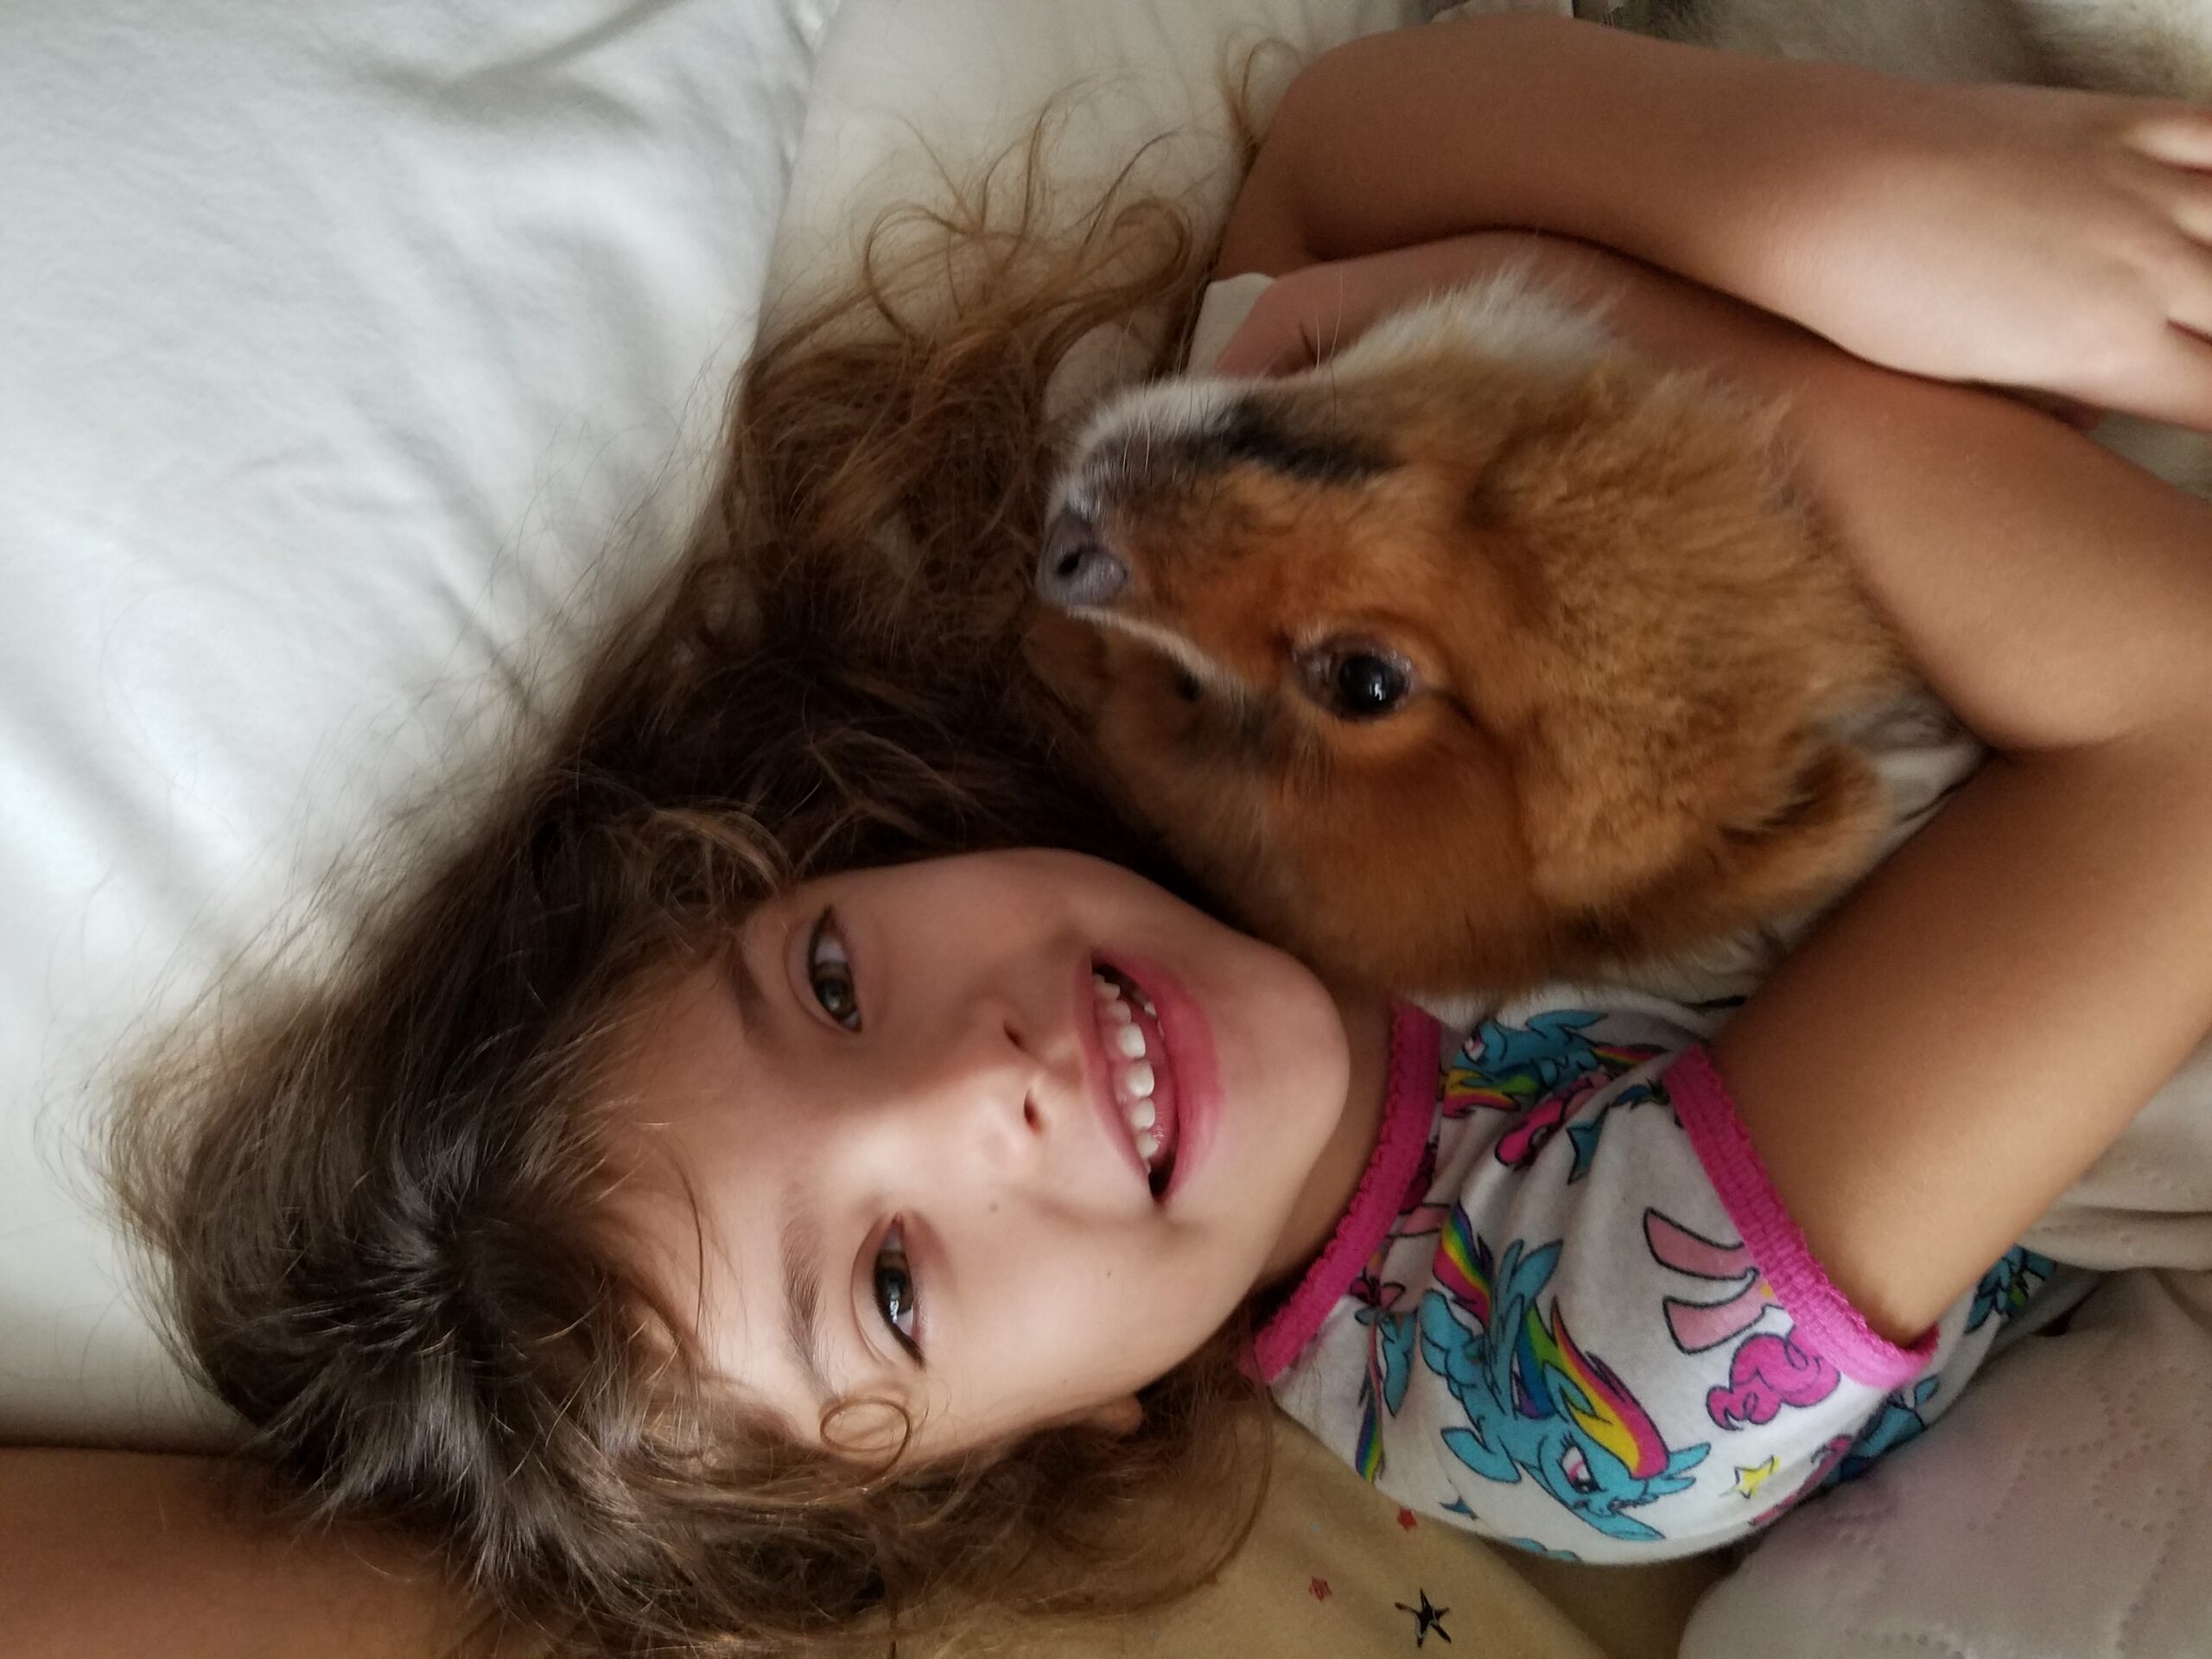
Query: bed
{"points": [[339, 342], [343, 347]]}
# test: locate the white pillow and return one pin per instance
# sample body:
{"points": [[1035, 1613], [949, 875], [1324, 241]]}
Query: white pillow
{"points": [[335, 341], [962, 79]]}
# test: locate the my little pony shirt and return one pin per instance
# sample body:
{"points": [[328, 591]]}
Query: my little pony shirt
{"points": [[1568, 1309]]}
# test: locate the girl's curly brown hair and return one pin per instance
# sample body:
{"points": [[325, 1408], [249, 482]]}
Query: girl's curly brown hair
{"points": [[379, 1200]]}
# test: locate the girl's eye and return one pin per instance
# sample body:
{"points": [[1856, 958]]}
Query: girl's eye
{"points": [[895, 1297], [830, 972]]}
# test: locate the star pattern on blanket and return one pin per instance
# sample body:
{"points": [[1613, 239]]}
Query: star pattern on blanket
{"points": [[1427, 1616]]}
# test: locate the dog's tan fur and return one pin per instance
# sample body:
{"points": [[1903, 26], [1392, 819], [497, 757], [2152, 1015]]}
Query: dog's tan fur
{"points": [[1642, 661], [1637, 655]]}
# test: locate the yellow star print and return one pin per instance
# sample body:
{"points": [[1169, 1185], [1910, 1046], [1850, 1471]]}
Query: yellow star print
{"points": [[1748, 1481]]}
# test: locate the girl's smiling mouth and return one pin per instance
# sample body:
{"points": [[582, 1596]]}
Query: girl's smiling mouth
{"points": [[1140, 1071]]}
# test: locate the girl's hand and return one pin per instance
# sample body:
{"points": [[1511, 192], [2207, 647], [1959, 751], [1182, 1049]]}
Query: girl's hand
{"points": [[2021, 237], [2040, 240], [114, 1555], [1308, 316], [1311, 314]]}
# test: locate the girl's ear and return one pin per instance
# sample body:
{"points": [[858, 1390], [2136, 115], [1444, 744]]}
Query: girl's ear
{"points": [[1123, 1416]]}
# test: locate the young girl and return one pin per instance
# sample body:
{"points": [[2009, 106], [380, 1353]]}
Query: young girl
{"points": [[797, 1167]]}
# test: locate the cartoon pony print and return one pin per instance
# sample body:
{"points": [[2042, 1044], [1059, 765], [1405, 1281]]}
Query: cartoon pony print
{"points": [[1846, 1457], [1389, 1363], [1902, 1418], [1389, 1327], [1542, 1072], [2005, 1289], [1534, 1402], [1767, 1371]]}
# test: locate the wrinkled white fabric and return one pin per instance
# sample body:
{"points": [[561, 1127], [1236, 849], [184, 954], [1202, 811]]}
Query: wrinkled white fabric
{"points": [[2059, 1512], [337, 343]]}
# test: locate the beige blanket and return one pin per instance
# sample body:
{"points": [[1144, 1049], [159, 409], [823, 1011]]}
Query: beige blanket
{"points": [[1335, 1570]]}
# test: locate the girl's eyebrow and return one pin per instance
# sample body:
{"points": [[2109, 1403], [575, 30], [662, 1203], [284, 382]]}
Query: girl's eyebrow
{"points": [[801, 1244], [744, 983], [798, 1240]]}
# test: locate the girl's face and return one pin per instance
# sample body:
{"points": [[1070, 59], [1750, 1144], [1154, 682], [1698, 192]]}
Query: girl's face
{"points": [[1002, 1137]]}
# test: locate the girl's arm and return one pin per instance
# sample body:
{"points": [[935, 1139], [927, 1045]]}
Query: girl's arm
{"points": [[1984, 1015], [2019, 236], [1977, 1024], [116, 1555]]}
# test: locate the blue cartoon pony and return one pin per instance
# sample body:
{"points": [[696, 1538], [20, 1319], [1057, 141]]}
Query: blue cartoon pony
{"points": [[1543, 1073], [1534, 1400]]}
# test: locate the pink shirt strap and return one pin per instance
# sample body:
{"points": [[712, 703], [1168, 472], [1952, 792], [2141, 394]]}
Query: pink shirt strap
{"points": [[1408, 1114], [1826, 1324]]}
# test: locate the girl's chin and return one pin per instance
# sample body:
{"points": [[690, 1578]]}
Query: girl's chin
{"points": [[1282, 1112]]}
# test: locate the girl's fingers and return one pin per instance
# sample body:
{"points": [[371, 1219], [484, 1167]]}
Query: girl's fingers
{"points": [[2193, 209], [2082, 417], [2182, 381], [1279, 336], [1258, 356], [1258, 347], [2190, 303], [2180, 134]]}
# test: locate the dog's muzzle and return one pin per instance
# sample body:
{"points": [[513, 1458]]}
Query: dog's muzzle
{"points": [[1077, 570]]}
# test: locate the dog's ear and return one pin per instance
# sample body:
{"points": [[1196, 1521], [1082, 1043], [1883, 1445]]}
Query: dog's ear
{"points": [[1655, 861], [1605, 813], [1817, 841], [1613, 815], [1068, 657]]}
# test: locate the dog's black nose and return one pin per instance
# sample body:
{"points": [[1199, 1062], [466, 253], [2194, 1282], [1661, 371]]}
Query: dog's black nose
{"points": [[1077, 570]]}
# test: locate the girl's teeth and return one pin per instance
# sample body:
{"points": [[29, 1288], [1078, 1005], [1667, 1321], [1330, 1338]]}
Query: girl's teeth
{"points": [[1137, 1078]]}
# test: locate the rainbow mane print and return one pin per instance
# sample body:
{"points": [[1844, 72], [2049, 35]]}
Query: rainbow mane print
{"points": [[1606, 1411], [1389, 1366], [1540, 1076], [1535, 1402], [1463, 1267], [1506, 1068], [1390, 1357]]}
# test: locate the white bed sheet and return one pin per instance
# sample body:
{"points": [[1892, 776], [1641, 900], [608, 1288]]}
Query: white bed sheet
{"points": [[907, 87], [335, 342]]}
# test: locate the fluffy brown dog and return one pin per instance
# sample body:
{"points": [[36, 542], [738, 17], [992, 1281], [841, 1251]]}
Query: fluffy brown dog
{"points": [[1484, 653]]}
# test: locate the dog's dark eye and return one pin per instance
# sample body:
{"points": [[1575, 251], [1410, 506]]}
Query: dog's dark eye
{"points": [[1366, 684], [1356, 680], [1187, 686]]}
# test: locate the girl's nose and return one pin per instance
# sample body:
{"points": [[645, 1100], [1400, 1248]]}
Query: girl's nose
{"points": [[972, 1105]]}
